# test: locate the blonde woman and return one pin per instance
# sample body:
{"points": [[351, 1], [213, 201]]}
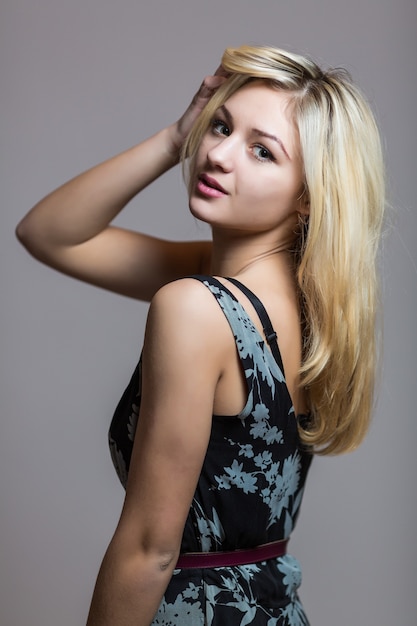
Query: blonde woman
{"points": [[259, 347]]}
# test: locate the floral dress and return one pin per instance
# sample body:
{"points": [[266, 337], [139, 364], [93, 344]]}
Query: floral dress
{"points": [[249, 492]]}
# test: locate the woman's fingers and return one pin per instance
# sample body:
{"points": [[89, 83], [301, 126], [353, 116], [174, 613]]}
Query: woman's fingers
{"points": [[206, 90]]}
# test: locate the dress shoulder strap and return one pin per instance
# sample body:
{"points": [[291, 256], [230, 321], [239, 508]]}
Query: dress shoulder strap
{"points": [[270, 334]]}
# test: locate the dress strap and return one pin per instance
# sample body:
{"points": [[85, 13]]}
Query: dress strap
{"points": [[270, 334]]}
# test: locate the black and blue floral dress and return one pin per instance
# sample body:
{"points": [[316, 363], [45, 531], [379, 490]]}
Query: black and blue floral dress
{"points": [[249, 493]]}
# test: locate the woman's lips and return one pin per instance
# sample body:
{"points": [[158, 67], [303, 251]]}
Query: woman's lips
{"points": [[209, 186]]}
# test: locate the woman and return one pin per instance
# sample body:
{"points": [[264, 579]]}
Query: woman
{"points": [[284, 164]]}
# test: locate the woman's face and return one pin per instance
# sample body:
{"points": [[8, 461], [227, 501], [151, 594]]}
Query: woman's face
{"points": [[247, 174]]}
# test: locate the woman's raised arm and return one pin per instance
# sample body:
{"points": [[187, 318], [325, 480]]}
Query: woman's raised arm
{"points": [[70, 228]]}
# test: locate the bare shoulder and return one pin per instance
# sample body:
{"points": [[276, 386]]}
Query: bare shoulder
{"points": [[186, 311], [185, 298], [186, 342]]}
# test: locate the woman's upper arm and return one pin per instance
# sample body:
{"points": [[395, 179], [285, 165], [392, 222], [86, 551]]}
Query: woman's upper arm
{"points": [[128, 262], [181, 367]]}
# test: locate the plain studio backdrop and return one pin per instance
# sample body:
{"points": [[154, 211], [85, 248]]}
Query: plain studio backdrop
{"points": [[82, 80]]}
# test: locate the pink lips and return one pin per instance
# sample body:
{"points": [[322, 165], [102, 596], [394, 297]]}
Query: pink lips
{"points": [[209, 186]]}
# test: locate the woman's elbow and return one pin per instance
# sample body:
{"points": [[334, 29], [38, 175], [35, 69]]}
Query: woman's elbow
{"points": [[33, 238], [156, 563], [26, 234], [158, 547], [160, 555]]}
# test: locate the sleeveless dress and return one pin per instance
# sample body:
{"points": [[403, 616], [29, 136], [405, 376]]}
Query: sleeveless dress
{"points": [[249, 491]]}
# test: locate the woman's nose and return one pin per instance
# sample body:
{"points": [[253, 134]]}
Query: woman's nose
{"points": [[222, 154]]}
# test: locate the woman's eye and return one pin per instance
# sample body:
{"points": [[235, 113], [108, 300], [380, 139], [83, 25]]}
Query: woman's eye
{"points": [[220, 128], [262, 154]]}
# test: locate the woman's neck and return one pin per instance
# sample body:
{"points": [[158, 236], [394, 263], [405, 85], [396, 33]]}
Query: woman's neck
{"points": [[251, 256]]}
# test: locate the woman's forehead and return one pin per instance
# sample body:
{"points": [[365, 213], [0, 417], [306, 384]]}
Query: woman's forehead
{"points": [[260, 96]]}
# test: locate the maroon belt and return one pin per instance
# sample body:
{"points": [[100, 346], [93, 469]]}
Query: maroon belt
{"points": [[232, 557]]}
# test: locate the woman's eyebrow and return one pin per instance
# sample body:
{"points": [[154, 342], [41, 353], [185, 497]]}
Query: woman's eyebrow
{"points": [[227, 114], [262, 133]]}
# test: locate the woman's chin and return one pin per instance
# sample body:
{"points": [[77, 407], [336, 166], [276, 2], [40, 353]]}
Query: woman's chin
{"points": [[197, 211]]}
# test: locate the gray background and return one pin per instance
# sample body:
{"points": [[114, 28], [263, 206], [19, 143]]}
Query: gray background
{"points": [[80, 81]]}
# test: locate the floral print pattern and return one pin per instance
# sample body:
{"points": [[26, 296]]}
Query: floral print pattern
{"points": [[249, 493], [233, 599]]}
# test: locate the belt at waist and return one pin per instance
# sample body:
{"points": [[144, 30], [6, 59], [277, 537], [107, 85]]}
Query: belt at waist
{"points": [[232, 557]]}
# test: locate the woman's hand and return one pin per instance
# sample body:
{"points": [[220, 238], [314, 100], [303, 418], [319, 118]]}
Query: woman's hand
{"points": [[207, 88]]}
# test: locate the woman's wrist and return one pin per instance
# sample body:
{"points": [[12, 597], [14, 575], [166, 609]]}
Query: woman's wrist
{"points": [[174, 141]]}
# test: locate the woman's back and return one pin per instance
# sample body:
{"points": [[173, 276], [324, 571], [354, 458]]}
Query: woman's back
{"points": [[248, 494]]}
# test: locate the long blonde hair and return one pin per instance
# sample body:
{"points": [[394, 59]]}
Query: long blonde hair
{"points": [[337, 252]]}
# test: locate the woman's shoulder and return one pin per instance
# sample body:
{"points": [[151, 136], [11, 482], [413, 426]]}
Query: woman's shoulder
{"points": [[187, 303], [188, 292], [187, 328]]}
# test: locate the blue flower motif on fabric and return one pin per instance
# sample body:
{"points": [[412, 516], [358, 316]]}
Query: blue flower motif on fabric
{"points": [[189, 612], [236, 584], [246, 450], [290, 567], [294, 614], [262, 429], [280, 487], [237, 477], [263, 459], [235, 591], [211, 531]]}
